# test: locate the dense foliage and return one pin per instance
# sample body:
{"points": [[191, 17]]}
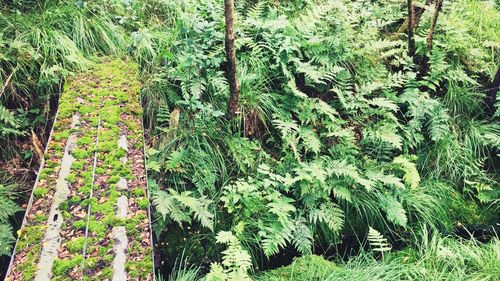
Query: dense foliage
{"points": [[340, 130], [341, 134]]}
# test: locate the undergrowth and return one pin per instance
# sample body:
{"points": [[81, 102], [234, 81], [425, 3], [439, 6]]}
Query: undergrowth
{"points": [[341, 134]]}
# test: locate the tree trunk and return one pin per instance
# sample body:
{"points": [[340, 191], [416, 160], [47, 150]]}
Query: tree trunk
{"points": [[234, 87], [411, 40], [418, 12], [491, 95], [439, 5]]}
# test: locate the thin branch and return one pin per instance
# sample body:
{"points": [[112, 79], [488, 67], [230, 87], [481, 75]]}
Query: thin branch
{"points": [[411, 40], [418, 12], [439, 6]]}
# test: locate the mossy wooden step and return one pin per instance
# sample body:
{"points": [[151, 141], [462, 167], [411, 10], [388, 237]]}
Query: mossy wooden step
{"points": [[88, 217]]}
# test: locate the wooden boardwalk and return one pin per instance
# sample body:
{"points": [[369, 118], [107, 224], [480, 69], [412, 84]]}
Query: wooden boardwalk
{"points": [[88, 216]]}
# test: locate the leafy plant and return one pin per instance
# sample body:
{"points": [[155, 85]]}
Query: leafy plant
{"points": [[8, 208]]}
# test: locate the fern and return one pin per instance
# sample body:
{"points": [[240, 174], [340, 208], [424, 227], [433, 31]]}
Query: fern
{"points": [[276, 237], [167, 206], [330, 214], [384, 103], [311, 141], [7, 239], [395, 211], [180, 207], [387, 133], [377, 241], [236, 262], [411, 175], [197, 206], [8, 208], [9, 124], [302, 237]]}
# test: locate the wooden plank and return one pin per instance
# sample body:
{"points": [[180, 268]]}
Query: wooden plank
{"points": [[83, 242]]}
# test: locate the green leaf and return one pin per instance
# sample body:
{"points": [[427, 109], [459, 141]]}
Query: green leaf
{"points": [[411, 175]]}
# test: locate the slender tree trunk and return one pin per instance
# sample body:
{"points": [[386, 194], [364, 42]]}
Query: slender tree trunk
{"points": [[418, 12], [439, 5], [491, 95], [411, 40], [234, 87]]}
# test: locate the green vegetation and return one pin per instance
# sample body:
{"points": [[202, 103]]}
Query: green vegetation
{"points": [[341, 129], [436, 259], [358, 144], [7, 209]]}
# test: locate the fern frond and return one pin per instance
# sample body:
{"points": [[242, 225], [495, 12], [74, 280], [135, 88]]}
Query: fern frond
{"points": [[7, 239], [411, 175], [302, 237], [9, 124], [275, 237], [384, 103], [330, 214], [8, 206], [198, 206], [378, 241], [236, 260], [167, 206], [395, 211]]}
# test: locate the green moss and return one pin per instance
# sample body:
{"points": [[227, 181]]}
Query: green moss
{"points": [[61, 267], [143, 203], [107, 146], [114, 179], [28, 266], [76, 245], [140, 269], [107, 273], [79, 153], [56, 147], [44, 174], [100, 171], [39, 192], [138, 145], [79, 224], [84, 141], [87, 176], [84, 109], [71, 178], [41, 218], [31, 235], [138, 192], [64, 206], [120, 153], [94, 121], [98, 228], [50, 165], [74, 199], [113, 119], [85, 189], [60, 135], [131, 125], [78, 165], [66, 215]]}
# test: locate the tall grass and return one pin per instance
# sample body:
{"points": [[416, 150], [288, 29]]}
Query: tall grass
{"points": [[433, 258], [41, 46]]}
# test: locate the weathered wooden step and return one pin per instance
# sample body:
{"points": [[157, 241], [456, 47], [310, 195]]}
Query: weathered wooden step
{"points": [[88, 217]]}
